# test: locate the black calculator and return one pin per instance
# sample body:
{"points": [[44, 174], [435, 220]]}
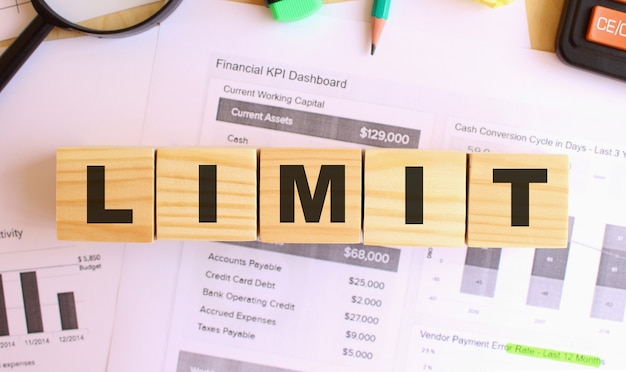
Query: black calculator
{"points": [[592, 35]]}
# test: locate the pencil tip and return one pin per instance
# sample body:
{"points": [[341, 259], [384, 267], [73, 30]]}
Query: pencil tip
{"points": [[373, 49]]}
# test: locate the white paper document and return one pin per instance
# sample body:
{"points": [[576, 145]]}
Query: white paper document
{"points": [[220, 73], [308, 307], [272, 307], [58, 299]]}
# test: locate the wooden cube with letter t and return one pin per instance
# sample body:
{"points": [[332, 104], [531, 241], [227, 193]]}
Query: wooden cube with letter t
{"points": [[206, 194], [517, 200], [414, 197], [310, 195], [105, 194]]}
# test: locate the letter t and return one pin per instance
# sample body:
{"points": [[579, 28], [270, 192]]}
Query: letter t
{"points": [[520, 180]]}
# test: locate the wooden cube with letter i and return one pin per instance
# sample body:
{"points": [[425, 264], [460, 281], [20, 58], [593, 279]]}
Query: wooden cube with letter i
{"points": [[517, 200], [414, 198], [105, 194], [206, 194], [310, 195]]}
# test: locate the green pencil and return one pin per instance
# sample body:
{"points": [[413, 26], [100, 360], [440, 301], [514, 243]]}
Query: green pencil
{"points": [[380, 11]]}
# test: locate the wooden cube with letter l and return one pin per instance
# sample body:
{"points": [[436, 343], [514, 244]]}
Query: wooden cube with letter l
{"points": [[105, 194], [310, 195], [414, 197], [206, 194], [517, 200]]}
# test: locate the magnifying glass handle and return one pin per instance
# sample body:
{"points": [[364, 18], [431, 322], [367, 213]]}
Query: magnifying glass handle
{"points": [[18, 52]]}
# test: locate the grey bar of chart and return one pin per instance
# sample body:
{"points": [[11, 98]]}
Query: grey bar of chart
{"points": [[481, 271], [548, 275], [32, 305], [609, 301], [4, 322], [67, 310]]}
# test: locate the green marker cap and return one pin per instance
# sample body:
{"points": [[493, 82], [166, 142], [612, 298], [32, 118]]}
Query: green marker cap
{"points": [[293, 10]]}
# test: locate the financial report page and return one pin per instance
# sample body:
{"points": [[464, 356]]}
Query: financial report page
{"points": [[265, 306]]}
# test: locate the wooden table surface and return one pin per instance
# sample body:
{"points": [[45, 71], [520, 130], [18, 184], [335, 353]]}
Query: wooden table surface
{"points": [[543, 21]]}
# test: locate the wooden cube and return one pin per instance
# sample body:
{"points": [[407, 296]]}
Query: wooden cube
{"points": [[105, 194], [310, 195], [206, 194], [517, 200], [414, 198]]}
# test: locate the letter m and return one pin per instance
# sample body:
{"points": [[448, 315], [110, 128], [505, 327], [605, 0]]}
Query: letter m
{"points": [[330, 176]]}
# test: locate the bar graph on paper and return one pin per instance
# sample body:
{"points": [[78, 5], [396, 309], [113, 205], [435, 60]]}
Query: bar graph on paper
{"points": [[63, 302], [57, 306], [478, 280], [14, 16]]}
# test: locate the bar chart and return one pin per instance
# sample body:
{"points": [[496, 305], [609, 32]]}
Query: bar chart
{"points": [[32, 306], [571, 298], [57, 306]]}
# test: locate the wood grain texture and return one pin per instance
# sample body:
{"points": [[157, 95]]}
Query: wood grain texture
{"points": [[489, 203], [444, 182], [300, 231], [177, 185], [129, 184]]}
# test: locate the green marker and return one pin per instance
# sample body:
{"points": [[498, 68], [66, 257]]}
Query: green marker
{"points": [[293, 10]]}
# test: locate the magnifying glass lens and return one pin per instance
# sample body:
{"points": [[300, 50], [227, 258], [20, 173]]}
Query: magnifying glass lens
{"points": [[103, 18], [96, 16]]}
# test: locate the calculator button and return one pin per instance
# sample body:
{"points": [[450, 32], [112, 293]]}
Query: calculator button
{"points": [[607, 27]]}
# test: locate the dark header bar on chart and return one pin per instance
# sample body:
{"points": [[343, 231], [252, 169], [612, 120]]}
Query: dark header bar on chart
{"points": [[316, 125], [374, 257]]}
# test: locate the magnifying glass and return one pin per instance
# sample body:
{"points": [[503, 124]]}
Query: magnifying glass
{"points": [[101, 18]]}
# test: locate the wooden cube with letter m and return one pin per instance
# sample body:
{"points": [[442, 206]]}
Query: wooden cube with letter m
{"points": [[310, 195]]}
